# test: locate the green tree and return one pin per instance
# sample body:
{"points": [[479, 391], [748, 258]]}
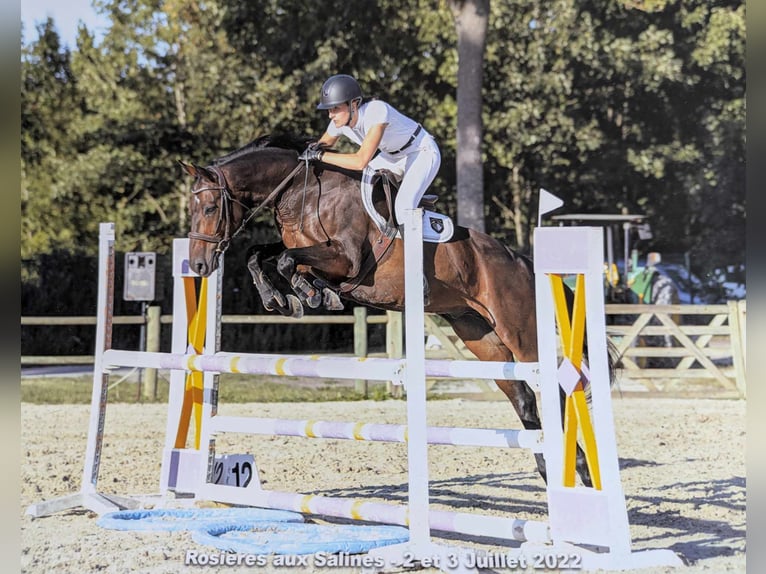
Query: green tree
{"points": [[612, 107], [607, 105], [49, 102]]}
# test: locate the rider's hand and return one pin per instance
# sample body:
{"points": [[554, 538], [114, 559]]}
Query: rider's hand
{"points": [[312, 153]]}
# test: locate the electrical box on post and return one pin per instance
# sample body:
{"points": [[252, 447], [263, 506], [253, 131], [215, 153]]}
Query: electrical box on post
{"points": [[140, 276]]}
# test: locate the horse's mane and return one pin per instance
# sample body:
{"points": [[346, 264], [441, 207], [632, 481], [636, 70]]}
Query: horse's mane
{"points": [[282, 141]]}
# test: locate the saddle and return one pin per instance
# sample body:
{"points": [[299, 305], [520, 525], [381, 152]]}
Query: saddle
{"points": [[437, 228]]}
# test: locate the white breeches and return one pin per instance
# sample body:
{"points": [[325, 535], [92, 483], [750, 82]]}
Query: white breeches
{"points": [[417, 166]]}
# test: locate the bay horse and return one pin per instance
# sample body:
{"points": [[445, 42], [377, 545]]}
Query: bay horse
{"points": [[332, 249]]}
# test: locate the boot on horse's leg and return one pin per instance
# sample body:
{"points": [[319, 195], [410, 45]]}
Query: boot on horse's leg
{"points": [[286, 305], [307, 293], [272, 299], [330, 299]]}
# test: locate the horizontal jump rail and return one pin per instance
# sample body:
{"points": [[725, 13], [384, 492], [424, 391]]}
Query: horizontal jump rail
{"points": [[500, 438], [380, 512], [318, 366]]}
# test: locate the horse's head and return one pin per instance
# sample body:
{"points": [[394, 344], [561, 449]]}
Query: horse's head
{"points": [[215, 216], [254, 174]]}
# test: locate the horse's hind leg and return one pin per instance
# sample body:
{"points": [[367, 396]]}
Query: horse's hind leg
{"points": [[488, 346], [478, 336]]}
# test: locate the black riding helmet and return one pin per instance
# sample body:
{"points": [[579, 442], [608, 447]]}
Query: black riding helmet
{"points": [[337, 90]]}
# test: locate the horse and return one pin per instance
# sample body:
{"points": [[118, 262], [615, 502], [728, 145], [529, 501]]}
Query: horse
{"points": [[332, 250]]}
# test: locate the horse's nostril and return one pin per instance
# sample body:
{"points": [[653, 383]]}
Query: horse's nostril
{"points": [[200, 268]]}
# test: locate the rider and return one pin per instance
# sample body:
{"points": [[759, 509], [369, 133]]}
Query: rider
{"points": [[406, 148]]}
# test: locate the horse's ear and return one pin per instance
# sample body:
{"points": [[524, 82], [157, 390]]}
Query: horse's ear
{"points": [[188, 168], [203, 173], [196, 171]]}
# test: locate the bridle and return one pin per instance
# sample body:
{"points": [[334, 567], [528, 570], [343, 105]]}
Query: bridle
{"points": [[223, 235]]}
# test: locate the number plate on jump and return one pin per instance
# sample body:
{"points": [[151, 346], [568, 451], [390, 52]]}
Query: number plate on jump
{"points": [[234, 469]]}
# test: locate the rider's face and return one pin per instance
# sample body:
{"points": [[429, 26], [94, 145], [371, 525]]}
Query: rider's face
{"points": [[339, 114]]}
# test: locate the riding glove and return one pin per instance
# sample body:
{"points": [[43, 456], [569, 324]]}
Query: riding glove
{"points": [[312, 153]]}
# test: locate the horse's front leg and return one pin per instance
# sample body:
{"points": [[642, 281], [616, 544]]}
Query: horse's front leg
{"points": [[328, 258], [271, 297]]}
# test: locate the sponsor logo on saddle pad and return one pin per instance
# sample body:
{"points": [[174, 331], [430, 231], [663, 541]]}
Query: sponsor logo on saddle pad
{"points": [[436, 224]]}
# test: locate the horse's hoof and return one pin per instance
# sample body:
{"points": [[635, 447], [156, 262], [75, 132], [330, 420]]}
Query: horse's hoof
{"points": [[314, 300], [295, 306], [275, 301], [331, 300]]}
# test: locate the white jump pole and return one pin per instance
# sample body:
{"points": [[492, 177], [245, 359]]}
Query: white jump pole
{"points": [[318, 366], [415, 383], [375, 432], [470, 524]]}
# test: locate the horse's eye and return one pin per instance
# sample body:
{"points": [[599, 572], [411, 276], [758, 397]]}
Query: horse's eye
{"points": [[211, 209]]}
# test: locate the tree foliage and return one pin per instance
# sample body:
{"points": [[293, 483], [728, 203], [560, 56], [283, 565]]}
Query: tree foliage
{"points": [[608, 104]]}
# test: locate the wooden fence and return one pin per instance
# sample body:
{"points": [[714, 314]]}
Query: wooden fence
{"points": [[680, 347], [665, 348], [674, 349]]}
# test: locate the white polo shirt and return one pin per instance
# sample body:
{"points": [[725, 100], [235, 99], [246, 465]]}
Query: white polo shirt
{"points": [[398, 131]]}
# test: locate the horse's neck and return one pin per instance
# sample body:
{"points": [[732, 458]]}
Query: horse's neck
{"points": [[253, 182]]}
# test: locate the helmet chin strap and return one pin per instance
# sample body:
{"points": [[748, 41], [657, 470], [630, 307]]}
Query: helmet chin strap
{"points": [[350, 112]]}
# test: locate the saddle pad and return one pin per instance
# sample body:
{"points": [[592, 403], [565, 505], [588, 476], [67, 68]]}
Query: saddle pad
{"points": [[437, 228], [368, 177]]}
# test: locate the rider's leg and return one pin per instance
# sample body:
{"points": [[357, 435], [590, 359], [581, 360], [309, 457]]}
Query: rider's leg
{"points": [[421, 169]]}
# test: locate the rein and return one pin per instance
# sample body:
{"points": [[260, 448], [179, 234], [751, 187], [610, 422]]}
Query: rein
{"points": [[224, 236]]}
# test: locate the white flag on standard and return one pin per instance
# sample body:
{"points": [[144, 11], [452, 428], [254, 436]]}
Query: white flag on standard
{"points": [[548, 202]]}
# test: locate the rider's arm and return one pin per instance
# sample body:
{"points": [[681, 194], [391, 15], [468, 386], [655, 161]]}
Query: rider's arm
{"points": [[363, 155], [327, 140]]}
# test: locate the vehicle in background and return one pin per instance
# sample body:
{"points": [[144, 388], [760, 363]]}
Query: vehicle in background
{"points": [[660, 278], [637, 283]]}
